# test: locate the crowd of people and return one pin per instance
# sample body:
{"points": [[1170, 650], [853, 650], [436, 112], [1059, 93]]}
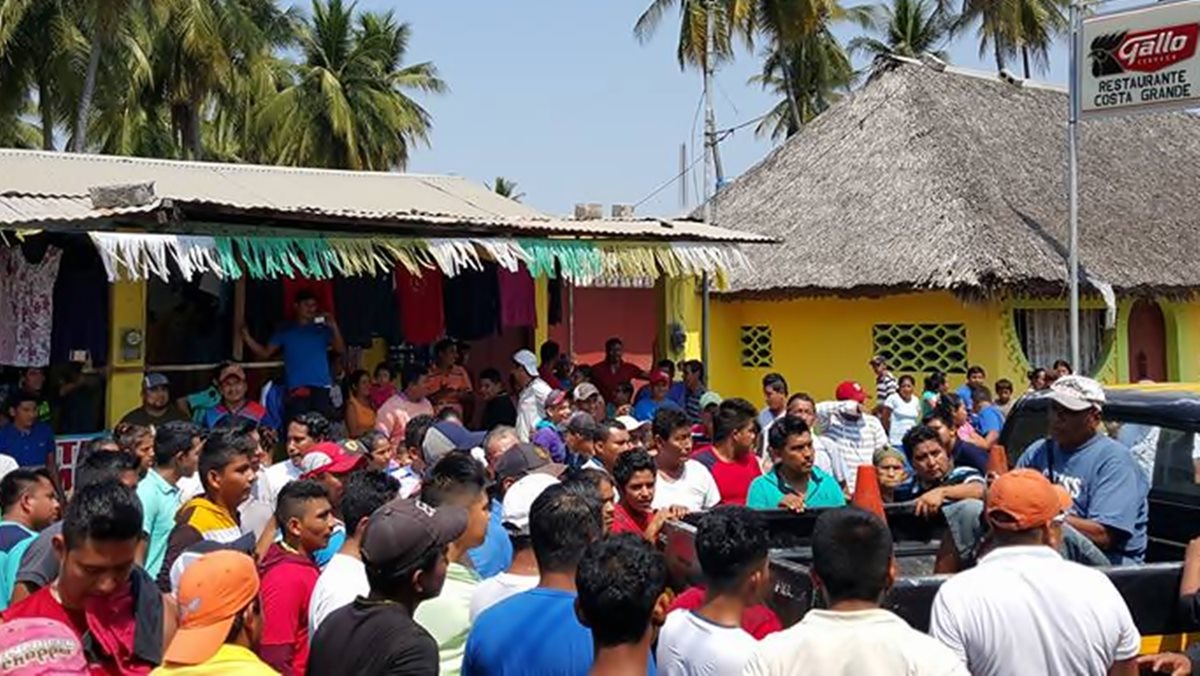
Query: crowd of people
{"points": [[511, 523]]}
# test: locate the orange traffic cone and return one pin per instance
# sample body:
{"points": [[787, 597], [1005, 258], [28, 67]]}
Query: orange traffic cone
{"points": [[866, 491], [997, 461]]}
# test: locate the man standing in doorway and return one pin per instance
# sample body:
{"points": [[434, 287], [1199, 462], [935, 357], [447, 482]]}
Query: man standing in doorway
{"points": [[449, 383], [614, 370], [885, 383], [156, 407], [305, 345], [531, 393]]}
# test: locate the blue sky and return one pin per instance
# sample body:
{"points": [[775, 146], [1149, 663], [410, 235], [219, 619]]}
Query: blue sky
{"points": [[559, 96]]}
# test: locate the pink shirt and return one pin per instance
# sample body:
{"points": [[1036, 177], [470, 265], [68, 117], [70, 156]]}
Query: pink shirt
{"points": [[966, 432], [392, 418]]}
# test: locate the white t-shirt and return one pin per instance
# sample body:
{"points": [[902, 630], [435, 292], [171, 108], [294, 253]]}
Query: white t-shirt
{"points": [[279, 475], [695, 489], [833, 643], [905, 416], [7, 464], [1026, 610], [343, 580], [497, 588], [189, 487], [689, 645], [827, 459]]}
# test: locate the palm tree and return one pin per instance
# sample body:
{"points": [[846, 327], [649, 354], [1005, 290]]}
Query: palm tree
{"points": [[904, 28], [348, 106], [997, 27], [811, 75], [506, 188], [1038, 21], [730, 17], [104, 21], [38, 44]]}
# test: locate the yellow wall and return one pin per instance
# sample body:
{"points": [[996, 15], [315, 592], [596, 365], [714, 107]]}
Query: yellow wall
{"points": [[680, 306], [127, 311], [818, 343]]}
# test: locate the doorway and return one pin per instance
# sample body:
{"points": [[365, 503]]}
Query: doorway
{"points": [[1147, 342]]}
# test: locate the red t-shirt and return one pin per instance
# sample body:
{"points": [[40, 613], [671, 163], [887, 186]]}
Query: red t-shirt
{"points": [[628, 521], [733, 478], [287, 583], [113, 632], [758, 621], [606, 380]]}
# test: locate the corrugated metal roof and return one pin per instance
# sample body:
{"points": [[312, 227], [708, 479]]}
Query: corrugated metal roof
{"points": [[38, 187]]}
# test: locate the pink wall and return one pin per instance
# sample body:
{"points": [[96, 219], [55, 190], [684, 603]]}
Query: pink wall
{"points": [[602, 313]]}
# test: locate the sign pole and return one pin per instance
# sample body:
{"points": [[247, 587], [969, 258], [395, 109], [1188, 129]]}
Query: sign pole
{"points": [[1073, 175]]}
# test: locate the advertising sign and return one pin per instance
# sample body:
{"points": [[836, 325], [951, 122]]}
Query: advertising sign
{"points": [[1141, 59]]}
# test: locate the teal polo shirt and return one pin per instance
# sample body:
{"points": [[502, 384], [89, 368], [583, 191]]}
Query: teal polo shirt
{"points": [[160, 501], [767, 490]]}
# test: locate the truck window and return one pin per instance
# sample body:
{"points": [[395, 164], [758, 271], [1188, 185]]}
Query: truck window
{"points": [[1175, 462]]}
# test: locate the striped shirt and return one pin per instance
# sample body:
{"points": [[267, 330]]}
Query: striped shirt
{"points": [[856, 436], [885, 386]]}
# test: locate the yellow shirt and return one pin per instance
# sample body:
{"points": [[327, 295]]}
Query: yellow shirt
{"points": [[230, 660]]}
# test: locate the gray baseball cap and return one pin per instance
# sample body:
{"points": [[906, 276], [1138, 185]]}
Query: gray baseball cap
{"points": [[401, 533]]}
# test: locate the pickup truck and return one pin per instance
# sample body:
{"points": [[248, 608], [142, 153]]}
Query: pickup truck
{"points": [[1159, 423]]}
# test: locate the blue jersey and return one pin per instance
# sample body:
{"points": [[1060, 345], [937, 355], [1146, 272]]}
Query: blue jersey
{"points": [[1105, 485]]}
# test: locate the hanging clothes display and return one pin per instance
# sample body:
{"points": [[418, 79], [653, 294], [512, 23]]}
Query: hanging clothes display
{"points": [[517, 306], [321, 288], [472, 303], [367, 309], [27, 305], [419, 299], [80, 304]]}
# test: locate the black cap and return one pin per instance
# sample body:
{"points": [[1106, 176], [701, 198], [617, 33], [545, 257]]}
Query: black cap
{"points": [[525, 459], [401, 533]]}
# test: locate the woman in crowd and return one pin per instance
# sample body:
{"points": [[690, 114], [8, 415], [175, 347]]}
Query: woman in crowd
{"points": [[951, 408], [935, 387], [889, 467], [360, 414], [1037, 379], [901, 411]]}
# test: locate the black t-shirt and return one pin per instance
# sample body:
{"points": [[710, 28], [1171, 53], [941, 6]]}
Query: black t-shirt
{"points": [[499, 411], [139, 416], [367, 638]]}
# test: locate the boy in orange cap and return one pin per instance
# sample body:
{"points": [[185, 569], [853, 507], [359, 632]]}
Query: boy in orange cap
{"points": [[220, 621]]}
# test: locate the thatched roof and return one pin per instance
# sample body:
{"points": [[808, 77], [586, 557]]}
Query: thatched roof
{"points": [[948, 180]]}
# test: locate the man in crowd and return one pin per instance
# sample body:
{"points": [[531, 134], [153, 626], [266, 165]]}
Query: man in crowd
{"points": [[156, 407], [622, 582], [614, 442], [176, 455], [1004, 396], [975, 376], [855, 433], [794, 483], [449, 383], [411, 401], [99, 591], [702, 432], [531, 393], [522, 573], [775, 395], [1024, 609], [520, 460], [614, 370], [496, 444], [731, 459], [1106, 486], [33, 563], [404, 552], [498, 408], [306, 346], [138, 441], [551, 355], [304, 432], [989, 418], [634, 477], [537, 631], [305, 517], [226, 474], [961, 453], [550, 430], [27, 440], [587, 399], [330, 466], [657, 400], [231, 381], [852, 570], [344, 578], [458, 480], [885, 383], [581, 438], [30, 504], [686, 394], [731, 546], [826, 453], [935, 480], [681, 480], [220, 622]]}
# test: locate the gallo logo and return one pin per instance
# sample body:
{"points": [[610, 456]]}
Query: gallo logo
{"points": [[1143, 52]]}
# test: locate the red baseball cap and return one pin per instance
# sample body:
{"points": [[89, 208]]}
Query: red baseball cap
{"points": [[850, 391], [328, 457], [660, 378], [1024, 499]]}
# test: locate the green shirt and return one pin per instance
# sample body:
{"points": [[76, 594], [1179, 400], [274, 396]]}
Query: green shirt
{"points": [[160, 501], [768, 490], [448, 616]]}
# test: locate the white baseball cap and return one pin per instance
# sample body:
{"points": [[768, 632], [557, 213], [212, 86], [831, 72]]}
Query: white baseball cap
{"points": [[631, 423], [526, 360], [518, 501], [1077, 393]]}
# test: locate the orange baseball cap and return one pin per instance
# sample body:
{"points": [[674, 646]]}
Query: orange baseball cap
{"points": [[212, 592], [1024, 499]]}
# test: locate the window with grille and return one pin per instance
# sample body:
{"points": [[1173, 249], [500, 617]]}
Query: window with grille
{"points": [[921, 348], [757, 351]]}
